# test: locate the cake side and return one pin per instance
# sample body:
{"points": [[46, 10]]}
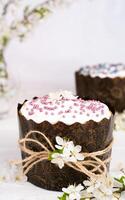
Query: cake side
{"points": [[110, 91]]}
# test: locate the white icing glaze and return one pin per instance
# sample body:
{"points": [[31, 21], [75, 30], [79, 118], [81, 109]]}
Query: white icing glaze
{"points": [[64, 109], [104, 70]]}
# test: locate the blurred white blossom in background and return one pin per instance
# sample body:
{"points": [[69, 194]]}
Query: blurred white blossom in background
{"points": [[11, 173]]}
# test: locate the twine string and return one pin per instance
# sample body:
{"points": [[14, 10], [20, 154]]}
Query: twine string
{"points": [[91, 160]]}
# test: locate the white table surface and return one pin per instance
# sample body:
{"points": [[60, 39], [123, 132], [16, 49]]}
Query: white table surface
{"points": [[25, 191]]}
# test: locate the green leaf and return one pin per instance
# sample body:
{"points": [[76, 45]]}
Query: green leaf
{"points": [[60, 151], [121, 180], [42, 11], [5, 40], [63, 197], [50, 156], [3, 73]]}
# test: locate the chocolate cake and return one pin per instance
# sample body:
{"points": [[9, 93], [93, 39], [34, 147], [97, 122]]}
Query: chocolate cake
{"points": [[106, 83], [86, 123]]}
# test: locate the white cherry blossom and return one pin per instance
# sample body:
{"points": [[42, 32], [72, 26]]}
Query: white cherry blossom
{"points": [[58, 160], [101, 188], [62, 94], [73, 192], [61, 143], [66, 152], [11, 173], [75, 153]]}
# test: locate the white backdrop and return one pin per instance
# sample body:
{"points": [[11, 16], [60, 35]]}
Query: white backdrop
{"points": [[89, 31]]}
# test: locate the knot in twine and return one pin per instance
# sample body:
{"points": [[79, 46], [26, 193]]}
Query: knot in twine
{"points": [[91, 160]]}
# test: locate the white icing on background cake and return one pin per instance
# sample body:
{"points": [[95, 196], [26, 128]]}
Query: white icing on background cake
{"points": [[104, 70], [64, 107]]}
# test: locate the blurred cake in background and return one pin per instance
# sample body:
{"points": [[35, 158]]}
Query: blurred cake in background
{"points": [[86, 123], [106, 83]]}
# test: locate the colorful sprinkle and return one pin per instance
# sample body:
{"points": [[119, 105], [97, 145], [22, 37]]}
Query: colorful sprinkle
{"points": [[103, 70]]}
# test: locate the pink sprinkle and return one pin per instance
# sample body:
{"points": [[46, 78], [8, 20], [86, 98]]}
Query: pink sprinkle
{"points": [[88, 114], [82, 106], [40, 109], [52, 113], [31, 113], [81, 100], [97, 115], [100, 107], [74, 116], [31, 103], [70, 107], [49, 108], [36, 106], [102, 112], [46, 113], [92, 107], [67, 111], [63, 116], [44, 102], [75, 111], [76, 104], [60, 112], [45, 97], [62, 106], [80, 113]]}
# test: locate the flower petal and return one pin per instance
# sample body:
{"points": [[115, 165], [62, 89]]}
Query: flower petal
{"points": [[79, 156], [65, 190], [59, 162], [55, 155], [72, 159], [78, 148], [59, 140], [79, 188], [87, 183], [66, 152], [71, 188], [74, 196], [90, 189], [59, 147]]}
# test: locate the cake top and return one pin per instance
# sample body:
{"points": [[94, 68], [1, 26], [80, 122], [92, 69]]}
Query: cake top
{"points": [[104, 70], [64, 107]]}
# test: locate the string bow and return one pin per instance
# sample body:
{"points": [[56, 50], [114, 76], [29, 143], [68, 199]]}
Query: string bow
{"points": [[92, 165]]}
